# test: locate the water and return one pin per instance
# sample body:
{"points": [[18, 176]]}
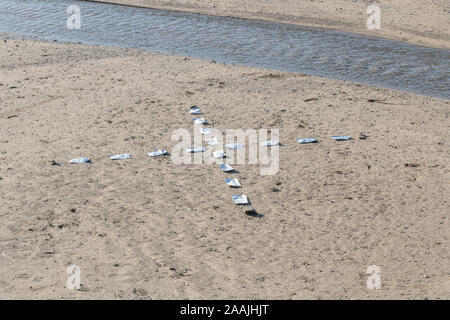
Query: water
{"points": [[319, 52]]}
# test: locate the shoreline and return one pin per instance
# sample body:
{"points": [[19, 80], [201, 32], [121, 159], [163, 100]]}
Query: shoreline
{"points": [[13, 36], [353, 22]]}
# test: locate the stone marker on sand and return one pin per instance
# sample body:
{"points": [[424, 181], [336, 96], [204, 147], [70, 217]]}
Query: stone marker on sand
{"points": [[233, 146], [194, 150], [219, 154], [80, 160], [199, 120], [269, 143], [233, 182], [341, 138], [306, 140], [226, 167], [205, 131], [240, 199], [195, 110], [212, 142], [157, 153], [120, 156]]}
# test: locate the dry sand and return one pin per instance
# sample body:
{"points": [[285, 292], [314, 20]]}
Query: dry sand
{"points": [[425, 22], [146, 228]]}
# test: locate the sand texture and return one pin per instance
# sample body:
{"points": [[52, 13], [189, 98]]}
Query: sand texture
{"points": [[147, 228]]}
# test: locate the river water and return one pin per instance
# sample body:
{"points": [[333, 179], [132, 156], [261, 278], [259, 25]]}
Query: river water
{"points": [[297, 49]]}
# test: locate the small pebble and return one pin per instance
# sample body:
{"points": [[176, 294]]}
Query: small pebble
{"points": [[251, 212]]}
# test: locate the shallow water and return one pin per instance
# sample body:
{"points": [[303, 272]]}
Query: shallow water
{"points": [[313, 51]]}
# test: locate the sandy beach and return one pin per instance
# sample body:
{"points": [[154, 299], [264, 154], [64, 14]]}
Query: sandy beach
{"points": [[420, 22], [146, 228]]}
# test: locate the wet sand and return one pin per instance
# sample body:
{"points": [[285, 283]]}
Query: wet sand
{"points": [[147, 228], [419, 22]]}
